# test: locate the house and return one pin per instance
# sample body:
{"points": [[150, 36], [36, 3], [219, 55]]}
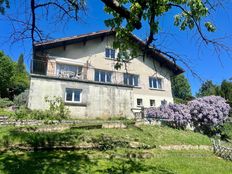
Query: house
{"points": [[81, 70]]}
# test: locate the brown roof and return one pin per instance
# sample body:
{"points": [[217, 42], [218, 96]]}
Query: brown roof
{"points": [[164, 61]]}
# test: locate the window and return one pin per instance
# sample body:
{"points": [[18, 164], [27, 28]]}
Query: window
{"points": [[102, 76], [73, 95], [70, 71], [110, 53], [130, 79], [155, 83], [139, 102], [164, 102], [152, 103]]}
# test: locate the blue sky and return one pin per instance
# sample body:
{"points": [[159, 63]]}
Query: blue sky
{"points": [[203, 59]]}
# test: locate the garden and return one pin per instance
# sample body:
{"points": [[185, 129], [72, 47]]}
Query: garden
{"points": [[58, 144]]}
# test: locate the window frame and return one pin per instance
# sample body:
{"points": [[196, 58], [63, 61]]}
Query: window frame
{"points": [[151, 103], [111, 52], [157, 85], [73, 95], [141, 102], [101, 72], [133, 79], [77, 72]]}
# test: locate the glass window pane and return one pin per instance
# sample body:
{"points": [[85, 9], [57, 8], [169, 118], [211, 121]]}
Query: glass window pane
{"points": [[68, 95], [136, 80], [96, 77], [154, 83], [77, 95], [112, 53], [102, 74], [130, 80], [107, 52], [150, 82], [108, 77], [159, 83]]}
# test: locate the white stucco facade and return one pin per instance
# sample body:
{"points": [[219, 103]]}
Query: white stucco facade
{"points": [[99, 99]]}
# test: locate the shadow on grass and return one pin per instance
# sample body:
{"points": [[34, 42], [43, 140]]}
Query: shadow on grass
{"points": [[45, 139], [72, 162]]}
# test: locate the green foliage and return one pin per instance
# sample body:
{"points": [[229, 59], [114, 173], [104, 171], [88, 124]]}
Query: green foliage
{"points": [[3, 5], [21, 99], [226, 131], [6, 74], [137, 13], [181, 88], [21, 77], [5, 102], [56, 111], [13, 77], [57, 107], [207, 89]]}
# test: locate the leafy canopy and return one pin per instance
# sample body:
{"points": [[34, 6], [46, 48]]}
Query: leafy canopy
{"points": [[129, 15], [181, 88]]}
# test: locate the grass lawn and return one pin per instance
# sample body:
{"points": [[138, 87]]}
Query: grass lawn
{"points": [[163, 162], [116, 160], [149, 135]]}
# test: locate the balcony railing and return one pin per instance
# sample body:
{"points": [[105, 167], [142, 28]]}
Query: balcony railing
{"points": [[47, 68], [38, 67]]}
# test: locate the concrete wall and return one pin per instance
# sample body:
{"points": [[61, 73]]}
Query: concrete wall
{"points": [[97, 100], [102, 99]]}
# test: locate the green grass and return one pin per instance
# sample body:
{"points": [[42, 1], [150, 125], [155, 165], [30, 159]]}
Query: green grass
{"points": [[148, 135], [116, 159], [163, 162]]}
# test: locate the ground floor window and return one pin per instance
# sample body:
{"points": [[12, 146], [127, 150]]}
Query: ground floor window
{"points": [[139, 102], [152, 103], [73, 95], [164, 102]]}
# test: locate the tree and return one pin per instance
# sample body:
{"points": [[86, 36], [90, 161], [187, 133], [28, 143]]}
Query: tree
{"points": [[127, 17], [3, 5], [181, 88], [226, 90], [6, 74], [20, 65], [20, 79], [207, 89]]}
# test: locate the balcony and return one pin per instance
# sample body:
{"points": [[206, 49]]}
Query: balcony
{"points": [[53, 69]]}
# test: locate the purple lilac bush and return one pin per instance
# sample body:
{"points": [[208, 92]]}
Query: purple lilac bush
{"points": [[175, 115], [204, 113], [208, 112]]}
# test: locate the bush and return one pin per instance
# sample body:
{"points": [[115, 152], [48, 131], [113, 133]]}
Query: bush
{"points": [[174, 115], [208, 113], [57, 107], [21, 99], [5, 102], [226, 131]]}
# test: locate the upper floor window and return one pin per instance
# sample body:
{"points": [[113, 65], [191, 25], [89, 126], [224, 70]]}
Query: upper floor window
{"points": [[155, 83], [73, 95], [69, 71], [130, 79], [102, 76], [110, 53]]}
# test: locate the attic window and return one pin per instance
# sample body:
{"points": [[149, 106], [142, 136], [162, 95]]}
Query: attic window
{"points": [[110, 53]]}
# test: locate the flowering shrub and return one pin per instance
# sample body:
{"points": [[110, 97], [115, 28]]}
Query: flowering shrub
{"points": [[175, 115], [208, 112], [204, 113]]}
